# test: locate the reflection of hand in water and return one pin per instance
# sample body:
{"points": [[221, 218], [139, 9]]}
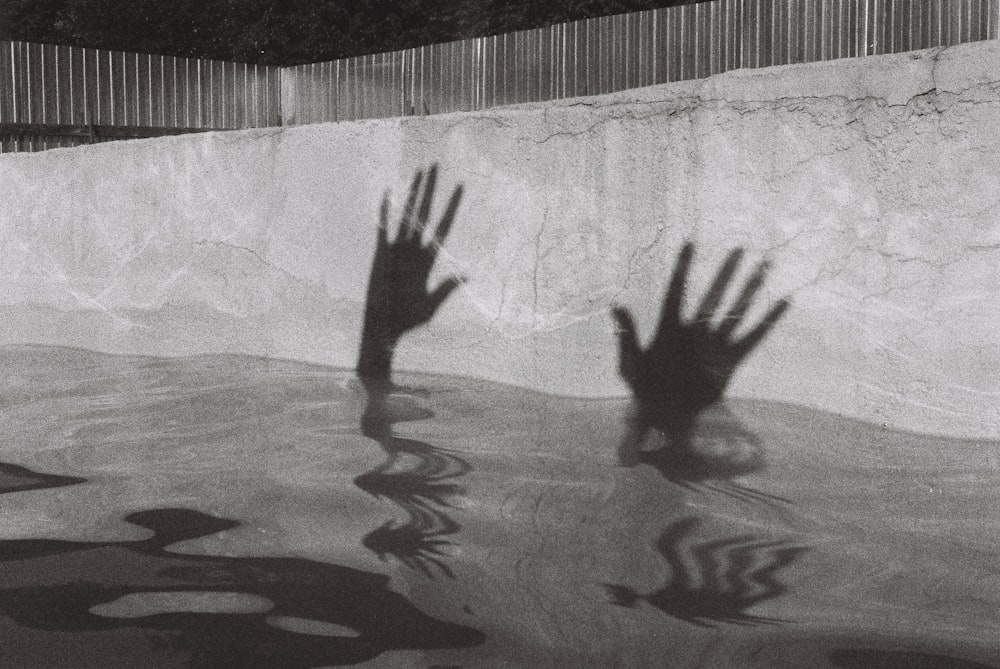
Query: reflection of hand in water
{"points": [[720, 450], [424, 485], [399, 300], [423, 492], [408, 488], [727, 577], [687, 366], [417, 543]]}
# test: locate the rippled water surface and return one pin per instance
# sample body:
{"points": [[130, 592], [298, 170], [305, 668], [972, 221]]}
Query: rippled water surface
{"points": [[226, 511]]}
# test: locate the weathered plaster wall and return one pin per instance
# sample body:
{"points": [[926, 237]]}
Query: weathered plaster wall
{"points": [[871, 184]]}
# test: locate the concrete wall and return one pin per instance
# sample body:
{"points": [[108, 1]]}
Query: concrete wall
{"points": [[871, 184]]}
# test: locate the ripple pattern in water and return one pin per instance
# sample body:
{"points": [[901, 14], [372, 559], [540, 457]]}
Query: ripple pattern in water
{"points": [[226, 510]]}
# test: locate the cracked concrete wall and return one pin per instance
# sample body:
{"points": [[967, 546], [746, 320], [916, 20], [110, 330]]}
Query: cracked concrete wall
{"points": [[869, 184]]}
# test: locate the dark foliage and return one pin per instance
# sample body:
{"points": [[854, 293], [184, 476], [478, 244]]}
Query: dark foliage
{"points": [[285, 32]]}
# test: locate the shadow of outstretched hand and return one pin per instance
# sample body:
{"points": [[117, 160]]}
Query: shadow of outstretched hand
{"points": [[688, 365], [714, 581], [418, 543], [424, 491], [399, 298], [418, 477]]}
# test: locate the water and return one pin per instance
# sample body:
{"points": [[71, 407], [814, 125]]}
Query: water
{"points": [[226, 511]]}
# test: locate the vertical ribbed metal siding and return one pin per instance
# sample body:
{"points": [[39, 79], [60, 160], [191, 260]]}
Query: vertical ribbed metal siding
{"points": [[59, 85], [56, 85], [613, 53]]}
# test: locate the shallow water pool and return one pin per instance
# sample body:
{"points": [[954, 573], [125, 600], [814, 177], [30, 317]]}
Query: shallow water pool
{"points": [[226, 511]]}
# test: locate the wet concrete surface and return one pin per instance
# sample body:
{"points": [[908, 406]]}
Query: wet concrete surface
{"points": [[227, 511]]}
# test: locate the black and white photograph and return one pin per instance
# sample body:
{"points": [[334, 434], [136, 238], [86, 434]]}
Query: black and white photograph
{"points": [[500, 334]]}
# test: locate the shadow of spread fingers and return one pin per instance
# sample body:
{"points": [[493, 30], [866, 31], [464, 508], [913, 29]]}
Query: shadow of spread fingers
{"points": [[407, 223], [743, 302], [383, 221], [670, 312], [669, 547], [765, 576], [425, 204], [441, 293], [714, 295], [444, 226], [628, 344], [754, 337]]}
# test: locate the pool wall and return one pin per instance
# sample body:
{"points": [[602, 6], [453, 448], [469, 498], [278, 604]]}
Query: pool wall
{"points": [[871, 184]]}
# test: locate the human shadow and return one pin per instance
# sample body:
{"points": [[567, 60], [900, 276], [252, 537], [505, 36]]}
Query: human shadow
{"points": [[419, 478], [302, 613], [714, 581], [679, 379]]}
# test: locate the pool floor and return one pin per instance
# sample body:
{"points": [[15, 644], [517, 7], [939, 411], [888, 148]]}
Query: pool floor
{"points": [[227, 511]]}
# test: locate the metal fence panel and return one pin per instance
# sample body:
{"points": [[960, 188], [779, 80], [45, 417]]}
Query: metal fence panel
{"points": [[48, 85], [608, 54], [44, 84]]}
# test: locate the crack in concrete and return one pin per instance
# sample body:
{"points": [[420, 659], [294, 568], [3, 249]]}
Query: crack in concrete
{"points": [[235, 247], [770, 250], [981, 248], [900, 258], [893, 289], [941, 101], [626, 116], [631, 260], [534, 290], [503, 301], [467, 119]]}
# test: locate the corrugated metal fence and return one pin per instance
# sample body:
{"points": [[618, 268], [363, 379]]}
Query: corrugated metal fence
{"points": [[614, 53], [59, 96], [63, 96]]}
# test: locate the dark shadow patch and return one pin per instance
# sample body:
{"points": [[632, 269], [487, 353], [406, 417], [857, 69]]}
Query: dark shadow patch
{"points": [[15, 478], [869, 658], [714, 581], [419, 478], [416, 476], [53, 585], [687, 366], [720, 449], [682, 374]]}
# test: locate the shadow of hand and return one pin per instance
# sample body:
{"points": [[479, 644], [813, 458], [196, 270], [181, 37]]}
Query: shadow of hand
{"points": [[409, 489], [399, 298], [424, 491], [714, 581], [416, 544], [688, 365]]}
